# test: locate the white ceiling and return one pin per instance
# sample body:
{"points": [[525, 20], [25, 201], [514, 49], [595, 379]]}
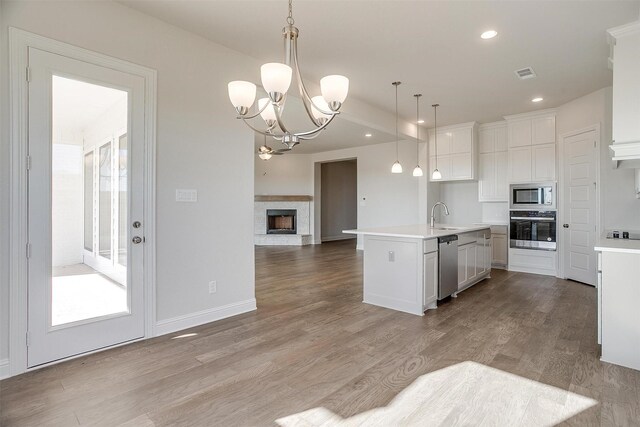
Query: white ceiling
{"points": [[433, 47]]}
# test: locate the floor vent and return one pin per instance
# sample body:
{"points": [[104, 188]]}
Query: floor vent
{"points": [[525, 73]]}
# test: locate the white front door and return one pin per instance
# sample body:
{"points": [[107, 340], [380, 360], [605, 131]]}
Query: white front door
{"points": [[85, 207], [580, 209]]}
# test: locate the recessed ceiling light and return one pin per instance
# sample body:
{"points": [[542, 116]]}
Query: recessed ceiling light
{"points": [[536, 99], [420, 121], [489, 34], [368, 135]]}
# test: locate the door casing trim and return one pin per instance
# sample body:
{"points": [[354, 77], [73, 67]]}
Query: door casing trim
{"points": [[19, 42]]}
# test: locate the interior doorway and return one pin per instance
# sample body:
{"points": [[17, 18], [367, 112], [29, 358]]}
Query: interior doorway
{"points": [[339, 194]]}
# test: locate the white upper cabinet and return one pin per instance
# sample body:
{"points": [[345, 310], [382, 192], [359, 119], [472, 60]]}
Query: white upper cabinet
{"points": [[457, 152], [532, 147], [492, 162]]}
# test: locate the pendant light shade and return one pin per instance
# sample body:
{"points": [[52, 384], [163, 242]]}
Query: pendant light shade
{"points": [[435, 175], [397, 167], [276, 78], [417, 171]]}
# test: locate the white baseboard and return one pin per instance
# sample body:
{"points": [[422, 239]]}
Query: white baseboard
{"points": [[360, 247], [4, 369], [340, 237], [186, 321]]}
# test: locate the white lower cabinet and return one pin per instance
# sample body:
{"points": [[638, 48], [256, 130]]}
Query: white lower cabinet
{"points": [[474, 261], [499, 250], [430, 280]]}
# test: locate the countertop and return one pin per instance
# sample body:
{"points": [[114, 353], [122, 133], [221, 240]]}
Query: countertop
{"points": [[617, 245], [505, 223], [418, 231]]}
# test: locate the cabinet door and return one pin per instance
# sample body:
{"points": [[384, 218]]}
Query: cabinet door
{"points": [[487, 177], [481, 255], [502, 181], [444, 142], [501, 138], [430, 278], [487, 140], [461, 140], [543, 130], [520, 133], [461, 166], [520, 164], [499, 249], [472, 262], [544, 162], [462, 266]]}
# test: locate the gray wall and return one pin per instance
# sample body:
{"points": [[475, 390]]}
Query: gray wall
{"points": [[339, 208]]}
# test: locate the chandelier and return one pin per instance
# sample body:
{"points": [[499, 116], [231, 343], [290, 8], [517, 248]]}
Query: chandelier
{"points": [[276, 79]]}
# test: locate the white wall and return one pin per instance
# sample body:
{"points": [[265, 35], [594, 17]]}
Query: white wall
{"points": [[289, 174], [200, 145], [619, 206]]}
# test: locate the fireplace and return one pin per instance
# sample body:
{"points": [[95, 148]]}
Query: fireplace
{"points": [[281, 221]]}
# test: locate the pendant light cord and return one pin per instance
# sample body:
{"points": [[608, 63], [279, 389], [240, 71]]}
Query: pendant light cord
{"points": [[418, 126], [290, 19], [435, 130], [396, 84]]}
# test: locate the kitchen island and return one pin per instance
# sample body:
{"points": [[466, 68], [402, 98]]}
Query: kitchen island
{"points": [[618, 300], [401, 263]]}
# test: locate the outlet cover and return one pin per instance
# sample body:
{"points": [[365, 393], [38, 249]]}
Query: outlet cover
{"points": [[213, 287]]}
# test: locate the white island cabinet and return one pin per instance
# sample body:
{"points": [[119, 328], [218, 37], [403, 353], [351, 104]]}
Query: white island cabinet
{"points": [[618, 301], [401, 264]]}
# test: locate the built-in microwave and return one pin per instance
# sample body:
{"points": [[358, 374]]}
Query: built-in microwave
{"points": [[533, 196]]}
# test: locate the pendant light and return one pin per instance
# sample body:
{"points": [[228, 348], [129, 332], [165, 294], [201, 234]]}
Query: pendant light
{"points": [[397, 167], [417, 171], [436, 175]]}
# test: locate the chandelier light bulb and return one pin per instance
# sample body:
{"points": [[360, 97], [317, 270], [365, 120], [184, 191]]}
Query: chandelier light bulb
{"points": [[269, 113], [417, 171], [436, 174], [264, 156], [242, 94], [334, 90], [396, 168], [276, 78], [322, 104]]}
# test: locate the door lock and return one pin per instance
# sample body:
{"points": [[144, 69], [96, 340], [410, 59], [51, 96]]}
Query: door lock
{"points": [[565, 225], [137, 224], [136, 239]]}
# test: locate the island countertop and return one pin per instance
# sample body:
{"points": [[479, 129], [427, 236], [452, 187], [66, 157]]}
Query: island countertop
{"points": [[617, 245], [417, 231]]}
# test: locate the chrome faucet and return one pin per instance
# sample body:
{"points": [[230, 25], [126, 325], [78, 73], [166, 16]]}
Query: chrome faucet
{"points": [[432, 223]]}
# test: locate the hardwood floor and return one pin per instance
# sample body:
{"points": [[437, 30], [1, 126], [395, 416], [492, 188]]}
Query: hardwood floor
{"points": [[313, 346]]}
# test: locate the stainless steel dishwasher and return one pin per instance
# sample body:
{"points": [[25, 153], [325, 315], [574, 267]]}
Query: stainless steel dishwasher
{"points": [[447, 265]]}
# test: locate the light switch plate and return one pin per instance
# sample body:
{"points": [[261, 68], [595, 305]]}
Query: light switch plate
{"points": [[190, 196]]}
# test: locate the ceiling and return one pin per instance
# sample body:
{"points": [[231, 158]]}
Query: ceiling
{"points": [[433, 47]]}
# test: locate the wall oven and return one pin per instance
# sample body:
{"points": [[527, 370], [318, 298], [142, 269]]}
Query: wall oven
{"points": [[533, 230], [533, 196]]}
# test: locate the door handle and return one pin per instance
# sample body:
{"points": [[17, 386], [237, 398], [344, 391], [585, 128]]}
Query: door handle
{"points": [[565, 225], [136, 239], [137, 224]]}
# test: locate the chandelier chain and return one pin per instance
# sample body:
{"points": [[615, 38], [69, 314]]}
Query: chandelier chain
{"points": [[290, 19]]}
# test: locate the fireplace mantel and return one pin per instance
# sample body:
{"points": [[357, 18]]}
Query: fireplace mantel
{"points": [[273, 198]]}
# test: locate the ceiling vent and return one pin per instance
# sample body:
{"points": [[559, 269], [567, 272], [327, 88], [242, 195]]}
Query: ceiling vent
{"points": [[525, 73]]}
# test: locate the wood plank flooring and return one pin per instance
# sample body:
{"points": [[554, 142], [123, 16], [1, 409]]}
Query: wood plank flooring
{"points": [[313, 353]]}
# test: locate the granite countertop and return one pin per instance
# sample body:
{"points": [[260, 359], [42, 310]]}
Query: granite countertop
{"points": [[617, 245], [418, 231]]}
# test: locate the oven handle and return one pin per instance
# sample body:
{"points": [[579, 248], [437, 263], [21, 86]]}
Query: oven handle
{"points": [[533, 219]]}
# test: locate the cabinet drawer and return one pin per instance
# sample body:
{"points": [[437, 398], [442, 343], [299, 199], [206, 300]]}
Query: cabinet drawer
{"points": [[466, 238], [430, 245], [499, 229]]}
